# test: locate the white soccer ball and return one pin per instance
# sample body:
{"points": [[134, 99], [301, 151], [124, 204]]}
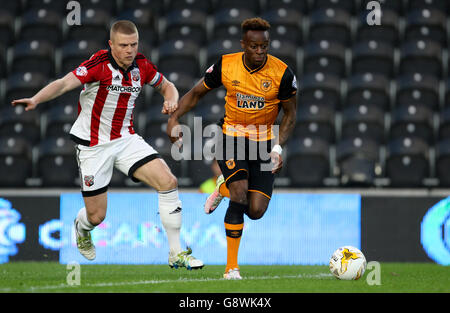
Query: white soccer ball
{"points": [[348, 263]]}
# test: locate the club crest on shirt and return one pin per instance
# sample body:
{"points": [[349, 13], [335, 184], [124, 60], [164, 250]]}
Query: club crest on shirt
{"points": [[89, 180], [266, 84], [135, 75], [82, 71]]}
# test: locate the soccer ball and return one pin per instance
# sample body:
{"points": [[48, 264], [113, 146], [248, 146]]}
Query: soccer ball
{"points": [[348, 263]]}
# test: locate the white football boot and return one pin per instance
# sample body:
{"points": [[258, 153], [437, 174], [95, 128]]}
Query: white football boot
{"points": [[84, 244], [232, 274], [214, 199], [185, 259]]}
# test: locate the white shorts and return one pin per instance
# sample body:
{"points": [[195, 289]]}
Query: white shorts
{"points": [[96, 164]]}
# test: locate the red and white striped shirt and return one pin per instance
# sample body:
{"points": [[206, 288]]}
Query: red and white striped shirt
{"points": [[105, 108]]}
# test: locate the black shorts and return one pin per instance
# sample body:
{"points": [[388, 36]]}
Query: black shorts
{"points": [[241, 158]]}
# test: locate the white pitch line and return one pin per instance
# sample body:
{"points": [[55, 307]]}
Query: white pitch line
{"points": [[154, 282]]}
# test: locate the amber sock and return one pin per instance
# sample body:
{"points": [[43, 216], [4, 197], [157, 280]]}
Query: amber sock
{"points": [[234, 233]]}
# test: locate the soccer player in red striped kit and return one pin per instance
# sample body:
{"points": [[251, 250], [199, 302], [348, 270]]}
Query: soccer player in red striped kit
{"points": [[105, 137]]}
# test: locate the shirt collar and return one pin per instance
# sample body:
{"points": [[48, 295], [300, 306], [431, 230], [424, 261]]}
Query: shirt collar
{"points": [[251, 71]]}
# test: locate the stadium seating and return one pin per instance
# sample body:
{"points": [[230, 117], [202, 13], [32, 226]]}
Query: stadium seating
{"points": [[347, 5], [23, 84], [387, 31], [74, 52], [417, 88], [55, 5], [291, 5], [95, 26], [146, 21], [426, 24], [186, 24], [41, 24], [373, 56], [250, 5], [443, 131], [107, 5], [386, 5], [184, 81], [118, 179], [421, 56], [285, 24], [412, 121], [315, 121], [227, 22], [59, 120], [15, 121], [330, 24], [218, 47], [156, 6], [363, 121], [200, 170], [3, 69], [7, 27], [443, 162], [286, 51], [434, 4], [210, 112], [407, 162], [162, 144], [368, 88], [34, 56], [179, 55], [202, 5], [323, 88]]}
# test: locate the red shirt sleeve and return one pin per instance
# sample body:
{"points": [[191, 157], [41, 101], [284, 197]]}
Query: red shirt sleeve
{"points": [[88, 70]]}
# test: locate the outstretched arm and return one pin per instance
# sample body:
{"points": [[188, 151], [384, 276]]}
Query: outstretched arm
{"points": [[186, 104], [49, 92]]}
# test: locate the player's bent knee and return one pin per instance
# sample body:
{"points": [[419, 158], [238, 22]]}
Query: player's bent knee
{"points": [[172, 182], [239, 196], [239, 192], [168, 182]]}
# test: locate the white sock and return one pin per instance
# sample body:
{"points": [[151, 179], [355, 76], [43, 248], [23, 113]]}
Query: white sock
{"points": [[170, 214], [84, 226]]}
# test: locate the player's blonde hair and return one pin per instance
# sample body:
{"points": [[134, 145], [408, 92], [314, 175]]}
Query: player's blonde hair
{"points": [[255, 23], [124, 27]]}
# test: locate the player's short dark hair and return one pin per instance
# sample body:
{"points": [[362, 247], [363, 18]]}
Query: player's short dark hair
{"points": [[255, 23], [124, 27]]}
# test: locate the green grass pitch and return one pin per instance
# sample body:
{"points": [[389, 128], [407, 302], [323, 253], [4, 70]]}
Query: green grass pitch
{"points": [[50, 277]]}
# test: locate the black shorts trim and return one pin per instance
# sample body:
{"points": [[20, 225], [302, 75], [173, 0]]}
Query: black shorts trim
{"points": [[141, 162], [92, 193]]}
